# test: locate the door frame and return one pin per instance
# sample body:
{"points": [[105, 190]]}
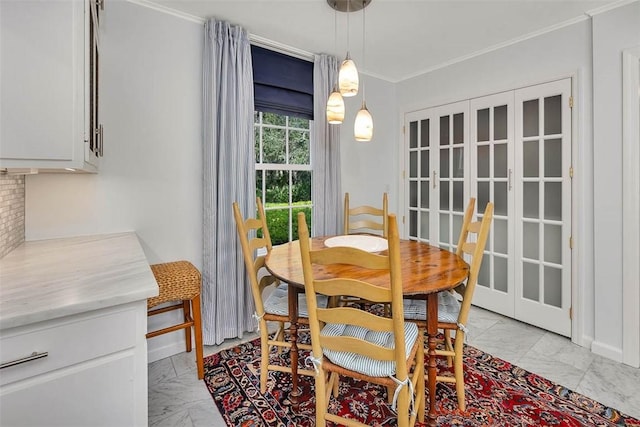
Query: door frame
{"points": [[631, 210]]}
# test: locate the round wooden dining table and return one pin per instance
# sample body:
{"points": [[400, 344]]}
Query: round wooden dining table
{"points": [[426, 270]]}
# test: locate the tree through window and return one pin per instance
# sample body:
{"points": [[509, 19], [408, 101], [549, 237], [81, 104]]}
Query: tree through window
{"points": [[283, 172]]}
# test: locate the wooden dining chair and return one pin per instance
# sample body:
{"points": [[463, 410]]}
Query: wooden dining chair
{"points": [[256, 243], [454, 306], [366, 218], [348, 341]]}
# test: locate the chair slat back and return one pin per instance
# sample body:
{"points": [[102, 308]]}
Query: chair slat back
{"points": [[466, 222], [346, 286], [369, 218], [250, 243], [476, 250]]}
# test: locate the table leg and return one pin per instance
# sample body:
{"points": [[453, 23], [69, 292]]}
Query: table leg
{"points": [[293, 318], [432, 332]]}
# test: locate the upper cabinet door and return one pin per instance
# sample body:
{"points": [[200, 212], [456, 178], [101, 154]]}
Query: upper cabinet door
{"points": [[43, 70]]}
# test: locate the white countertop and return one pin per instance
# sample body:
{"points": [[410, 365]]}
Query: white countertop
{"points": [[46, 279]]}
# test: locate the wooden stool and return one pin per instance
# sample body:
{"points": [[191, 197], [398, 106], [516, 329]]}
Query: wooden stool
{"points": [[180, 281]]}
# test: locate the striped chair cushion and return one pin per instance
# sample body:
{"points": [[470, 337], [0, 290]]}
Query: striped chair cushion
{"points": [[362, 364], [278, 302], [448, 308]]}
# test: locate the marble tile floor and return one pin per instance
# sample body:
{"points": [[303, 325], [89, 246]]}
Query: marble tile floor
{"points": [[177, 398]]}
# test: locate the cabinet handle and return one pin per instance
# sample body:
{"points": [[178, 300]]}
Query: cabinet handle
{"points": [[434, 179], [33, 356], [100, 132]]}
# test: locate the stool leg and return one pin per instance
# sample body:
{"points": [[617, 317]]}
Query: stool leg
{"points": [[197, 330], [187, 318]]}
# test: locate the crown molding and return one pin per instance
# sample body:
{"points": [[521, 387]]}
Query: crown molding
{"points": [[168, 10]]}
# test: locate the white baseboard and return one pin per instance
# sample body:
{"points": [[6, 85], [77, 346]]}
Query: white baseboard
{"points": [[167, 350], [605, 350], [585, 341]]}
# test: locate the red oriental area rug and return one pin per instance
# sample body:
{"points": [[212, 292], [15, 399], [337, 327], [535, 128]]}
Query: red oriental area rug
{"points": [[497, 392]]}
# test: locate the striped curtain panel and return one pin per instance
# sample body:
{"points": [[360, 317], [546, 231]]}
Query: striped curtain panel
{"points": [[325, 153], [228, 175]]}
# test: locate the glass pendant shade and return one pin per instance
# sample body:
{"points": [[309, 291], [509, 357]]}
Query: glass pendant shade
{"points": [[363, 127], [348, 77], [335, 108]]}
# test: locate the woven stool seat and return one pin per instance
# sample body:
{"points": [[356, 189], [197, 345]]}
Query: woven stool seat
{"points": [[179, 281]]}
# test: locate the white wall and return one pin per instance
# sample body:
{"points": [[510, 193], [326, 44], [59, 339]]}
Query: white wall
{"points": [[371, 168], [150, 176], [561, 53], [613, 31]]}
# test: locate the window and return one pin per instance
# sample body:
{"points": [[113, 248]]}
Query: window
{"points": [[283, 172], [283, 104]]}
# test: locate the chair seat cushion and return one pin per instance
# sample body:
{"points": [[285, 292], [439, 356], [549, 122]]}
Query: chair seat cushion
{"points": [[278, 302], [366, 365], [448, 308]]}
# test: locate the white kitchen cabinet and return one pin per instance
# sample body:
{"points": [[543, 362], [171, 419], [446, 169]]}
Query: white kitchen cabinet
{"points": [[94, 372], [78, 306], [48, 85]]}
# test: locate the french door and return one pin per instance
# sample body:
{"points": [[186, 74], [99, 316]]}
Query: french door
{"points": [[492, 142], [543, 208], [438, 195], [514, 149]]}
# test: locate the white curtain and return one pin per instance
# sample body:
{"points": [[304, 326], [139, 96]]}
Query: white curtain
{"points": [[228, 176], [325, 153]]}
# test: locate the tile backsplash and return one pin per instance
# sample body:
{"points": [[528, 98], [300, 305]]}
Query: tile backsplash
{"points": [[11, 212]]}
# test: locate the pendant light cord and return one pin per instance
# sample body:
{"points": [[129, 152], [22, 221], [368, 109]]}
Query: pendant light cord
{"points": [[335, 27], [363, 46], [348, 4], [335, 38]]}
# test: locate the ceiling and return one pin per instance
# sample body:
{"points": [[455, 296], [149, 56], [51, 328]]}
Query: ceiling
{"points": [[403, 38]]}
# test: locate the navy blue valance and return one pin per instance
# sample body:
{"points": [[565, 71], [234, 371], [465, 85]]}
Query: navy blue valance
{"points": [[282, 84]]}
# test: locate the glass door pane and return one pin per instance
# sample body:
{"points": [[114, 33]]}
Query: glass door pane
{"points": [[451, 186], [419, 177]]}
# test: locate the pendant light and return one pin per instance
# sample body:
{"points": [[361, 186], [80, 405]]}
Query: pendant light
{"points": [[335, 107], [335, 103], [348, 75], [363, 126]]}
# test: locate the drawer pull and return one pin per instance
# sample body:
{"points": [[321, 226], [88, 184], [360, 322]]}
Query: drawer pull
{"points": [[33, 356]]}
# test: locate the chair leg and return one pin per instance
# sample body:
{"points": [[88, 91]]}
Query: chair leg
{"points": [[321, 399], [403, 407], [264, 356], [448, 346], [330, 384], [186, 311], [197, 331], [279, 336], [459, 369], [421, 377], [390, 392]]}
